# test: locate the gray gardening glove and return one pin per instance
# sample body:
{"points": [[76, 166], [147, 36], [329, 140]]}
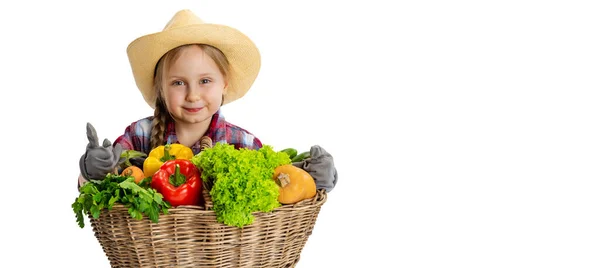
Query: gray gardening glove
{"points": [[320, 166], [99, 160]]}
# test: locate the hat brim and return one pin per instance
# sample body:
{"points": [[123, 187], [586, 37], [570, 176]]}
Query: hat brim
{"points": [[240, 51]]}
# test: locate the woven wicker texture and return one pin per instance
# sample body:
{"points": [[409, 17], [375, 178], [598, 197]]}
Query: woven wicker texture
{"points": [[190, 236]]}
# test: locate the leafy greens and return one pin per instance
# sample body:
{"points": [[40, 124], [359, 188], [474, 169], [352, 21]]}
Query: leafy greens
{"points": [[242, 180], [141, 200]]}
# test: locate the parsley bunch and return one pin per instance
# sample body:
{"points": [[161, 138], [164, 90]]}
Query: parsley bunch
{"points": [[242, 180], [94, 196]]}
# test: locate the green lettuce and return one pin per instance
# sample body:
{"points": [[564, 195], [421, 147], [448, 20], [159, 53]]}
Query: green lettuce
{"points": [[242, 180]]}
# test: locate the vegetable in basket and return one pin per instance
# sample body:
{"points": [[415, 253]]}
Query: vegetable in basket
{"points": [[295, 184], [291, 152], [301, 156], [131, 155], [294, 156], [134, 172], [97, 195], [179, 182], [162, 153], [242, 180]]}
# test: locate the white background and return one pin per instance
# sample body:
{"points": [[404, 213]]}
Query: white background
{"points": [[465, 133]]}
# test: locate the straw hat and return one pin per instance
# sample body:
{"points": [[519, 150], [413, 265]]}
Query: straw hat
{"points": [[186, 28]]}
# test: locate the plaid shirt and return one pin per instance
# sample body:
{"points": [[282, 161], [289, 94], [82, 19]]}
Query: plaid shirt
{"points": [[137, 135]]}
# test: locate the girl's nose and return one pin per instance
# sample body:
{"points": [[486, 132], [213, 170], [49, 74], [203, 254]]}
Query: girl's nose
{"points": [[193, 94]]}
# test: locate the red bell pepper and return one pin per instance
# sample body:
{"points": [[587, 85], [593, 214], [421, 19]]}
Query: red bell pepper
{"points": [[179, 182]]}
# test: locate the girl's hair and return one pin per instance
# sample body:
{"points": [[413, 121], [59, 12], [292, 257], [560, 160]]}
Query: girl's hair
{"points": [[161, 114]]}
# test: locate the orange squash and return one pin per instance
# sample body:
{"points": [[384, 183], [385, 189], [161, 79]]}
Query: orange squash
{"points": [[295, 184]]}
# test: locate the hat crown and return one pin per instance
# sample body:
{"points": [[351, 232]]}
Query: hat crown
{"points": [[183, 18]]}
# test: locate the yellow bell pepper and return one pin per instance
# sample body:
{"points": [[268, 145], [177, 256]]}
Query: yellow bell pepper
{"points": [[162, 153]]}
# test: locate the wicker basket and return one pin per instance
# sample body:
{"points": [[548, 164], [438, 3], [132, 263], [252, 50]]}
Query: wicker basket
{"points": [[190, 236]]}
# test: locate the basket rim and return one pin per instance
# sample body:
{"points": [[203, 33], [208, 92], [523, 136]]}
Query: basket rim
{"points": [[317, 201]]}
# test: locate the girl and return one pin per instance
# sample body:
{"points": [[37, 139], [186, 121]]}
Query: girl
{"points": [[186, 73]]}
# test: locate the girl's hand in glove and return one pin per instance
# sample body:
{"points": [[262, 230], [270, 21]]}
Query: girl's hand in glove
{"points": [[99, 160], [321, 167]]}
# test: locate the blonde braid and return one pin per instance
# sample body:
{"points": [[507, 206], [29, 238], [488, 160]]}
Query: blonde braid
{"points": [[159, 124]]}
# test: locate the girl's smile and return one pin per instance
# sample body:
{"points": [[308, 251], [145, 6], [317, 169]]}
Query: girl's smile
{"points": [[193, 110]]}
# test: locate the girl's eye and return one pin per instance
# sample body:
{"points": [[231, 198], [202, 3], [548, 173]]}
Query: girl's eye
{"points": [[204, 81], [177, 83]]}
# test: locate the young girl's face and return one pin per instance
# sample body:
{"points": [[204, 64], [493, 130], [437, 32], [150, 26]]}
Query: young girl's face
{"points": [[193, 86]]}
